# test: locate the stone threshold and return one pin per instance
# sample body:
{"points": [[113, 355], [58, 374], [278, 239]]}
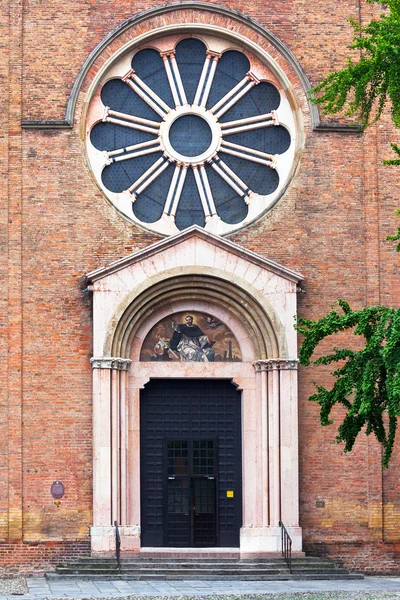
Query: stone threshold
{"points": [[234, 553]]}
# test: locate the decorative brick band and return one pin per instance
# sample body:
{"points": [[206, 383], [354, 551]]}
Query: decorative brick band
{"points": [[110, 362], [276, 364]]}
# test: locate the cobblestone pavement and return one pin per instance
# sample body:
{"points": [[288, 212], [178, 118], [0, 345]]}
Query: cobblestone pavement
{"points": [[39, 587]]}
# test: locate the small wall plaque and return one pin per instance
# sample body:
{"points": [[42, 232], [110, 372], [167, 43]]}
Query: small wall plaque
{"points": [[230, 493], [57, 490]]}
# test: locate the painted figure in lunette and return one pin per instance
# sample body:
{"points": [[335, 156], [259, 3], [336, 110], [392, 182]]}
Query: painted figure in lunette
{"points": [[191, 343]]}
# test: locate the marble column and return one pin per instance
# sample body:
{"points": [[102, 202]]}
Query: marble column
{"points": [[109, 449], [276, 458]]}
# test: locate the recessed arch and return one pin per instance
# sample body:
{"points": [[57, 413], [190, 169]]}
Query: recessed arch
{"points": [[260, 324]]}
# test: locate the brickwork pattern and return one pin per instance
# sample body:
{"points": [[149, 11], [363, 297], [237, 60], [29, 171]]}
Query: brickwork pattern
{"points": [[371, 559], [36, 559], [55, 226]]}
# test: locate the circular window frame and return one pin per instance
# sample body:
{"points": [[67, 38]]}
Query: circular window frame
{"points": [[216, 39]]}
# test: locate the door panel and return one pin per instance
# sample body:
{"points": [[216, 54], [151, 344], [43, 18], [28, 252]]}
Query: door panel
{"points": [[190, 517], [196, 413], [178, 517], [204, 512]]}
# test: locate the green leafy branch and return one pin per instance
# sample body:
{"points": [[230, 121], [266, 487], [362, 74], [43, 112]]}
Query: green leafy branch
{"points": [[367, 86], [367, 381], [396, 237]]}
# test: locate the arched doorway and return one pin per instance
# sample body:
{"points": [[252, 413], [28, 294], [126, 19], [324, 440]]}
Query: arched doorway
{"points": [[255, 301]]}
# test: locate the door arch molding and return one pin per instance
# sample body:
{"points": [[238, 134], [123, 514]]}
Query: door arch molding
{"points": [[244, 303]]}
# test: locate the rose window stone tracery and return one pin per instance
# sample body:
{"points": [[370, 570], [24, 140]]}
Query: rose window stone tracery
{"points": [[193, 134]]}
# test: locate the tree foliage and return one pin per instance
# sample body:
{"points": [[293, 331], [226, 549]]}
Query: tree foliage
{"points": [[364, 88], [396, 237], [367, 381]]}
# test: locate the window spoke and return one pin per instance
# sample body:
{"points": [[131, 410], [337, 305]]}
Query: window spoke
{"points": [[206, 78], [148, 176], [177, 96], [175, 190], [231, 179], [130, 121], [267, 120], [262, 158], [204, 190], [234, 95], [178, 78], [146, 93], [133, 151]]}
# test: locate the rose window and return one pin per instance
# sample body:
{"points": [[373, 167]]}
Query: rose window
{"points": [[190, 131]]}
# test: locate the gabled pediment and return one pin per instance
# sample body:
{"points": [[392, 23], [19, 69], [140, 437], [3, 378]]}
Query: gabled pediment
{"points": [[182, 239]]}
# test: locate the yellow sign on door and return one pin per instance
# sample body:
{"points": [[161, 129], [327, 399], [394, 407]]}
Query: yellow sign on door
{"points": [[230, 493]]}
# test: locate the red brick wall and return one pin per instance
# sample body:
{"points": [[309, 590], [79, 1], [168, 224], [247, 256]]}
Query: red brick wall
{"points": [[4, 91], [331, 226], [35, 558]]}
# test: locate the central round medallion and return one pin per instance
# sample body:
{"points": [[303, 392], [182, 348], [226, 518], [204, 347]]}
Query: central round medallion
{"points": [[190, 135]]}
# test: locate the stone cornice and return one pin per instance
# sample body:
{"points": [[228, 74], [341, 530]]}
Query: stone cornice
{"points": [[45, 124], [110, 362], [195, 230], [276, 364], [339, 128]]}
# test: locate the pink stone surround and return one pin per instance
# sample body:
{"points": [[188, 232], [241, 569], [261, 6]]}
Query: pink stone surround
{"points": [[268, 384]]}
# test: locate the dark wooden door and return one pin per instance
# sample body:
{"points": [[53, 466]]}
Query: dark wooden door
{"points": [[190, 469], [191, 485]]}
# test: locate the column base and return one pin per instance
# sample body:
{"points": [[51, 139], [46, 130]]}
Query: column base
{"points": [[102, 539], [268, 539], [130, 538]]}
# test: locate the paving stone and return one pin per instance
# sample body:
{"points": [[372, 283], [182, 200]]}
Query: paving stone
{"points": [[38, 588]]}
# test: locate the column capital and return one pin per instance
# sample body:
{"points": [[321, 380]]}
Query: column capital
{"points": [[110, 362], [212, 54], [276, 364], [167, 53]]}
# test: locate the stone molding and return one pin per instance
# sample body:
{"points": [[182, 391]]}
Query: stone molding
{"points": [[110, 362], [266, 332], [242, 19], [276, 364], [194, 231]]}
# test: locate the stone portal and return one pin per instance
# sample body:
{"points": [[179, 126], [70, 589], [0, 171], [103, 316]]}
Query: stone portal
{"points": [[198, 275]]}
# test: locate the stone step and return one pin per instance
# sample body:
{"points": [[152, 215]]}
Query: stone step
{"points": [[194, 572], [162, 577], [168, 565], [176, 573], [185, 563], [142, 568], [215, 567]]}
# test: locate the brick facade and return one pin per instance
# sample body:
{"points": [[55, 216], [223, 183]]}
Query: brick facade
{"points": [[55, 226]]}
